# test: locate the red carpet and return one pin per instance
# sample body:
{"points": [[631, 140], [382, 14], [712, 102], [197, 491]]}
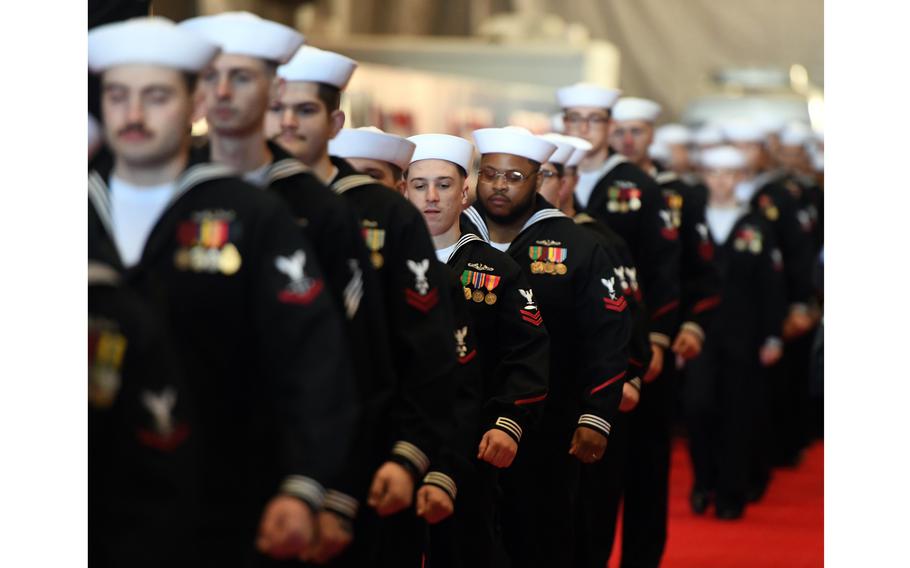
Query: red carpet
{"points": [[784, 530]]}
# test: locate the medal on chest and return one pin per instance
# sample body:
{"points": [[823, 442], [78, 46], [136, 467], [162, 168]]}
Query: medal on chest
{"points": [[205, 243], [548, 260], [766, 204], [475, 283], [748, 239], [106, 349], [375, 240], [623, 197]]}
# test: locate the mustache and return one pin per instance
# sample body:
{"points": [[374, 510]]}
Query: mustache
{"points": [[136, 127], [285, 133]]}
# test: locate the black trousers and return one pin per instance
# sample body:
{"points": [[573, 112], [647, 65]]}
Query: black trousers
{"points": [[724, 404], [472, 537], [399, 540], [539, 493], [600, 492], [647, 475], [790, 407]]}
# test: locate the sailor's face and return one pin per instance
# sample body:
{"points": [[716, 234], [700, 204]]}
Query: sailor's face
{"points": [[299, 121], [793, 158], [550, 184], [679, 158], [236, 90], [754, 152], [380, 171], [721, 182], [502, 197], [147, 113], [631, 138], [438, 190], [590, 123]]}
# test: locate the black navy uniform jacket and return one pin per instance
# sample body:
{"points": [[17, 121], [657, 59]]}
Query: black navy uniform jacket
{"points": [[334, 231], [257, 336], [781, 211], [141, 467], [576, 294], [630, 202], [810, 200], [420, 322], [514, 349], [753, 288], [627, 275], [700, 282]]}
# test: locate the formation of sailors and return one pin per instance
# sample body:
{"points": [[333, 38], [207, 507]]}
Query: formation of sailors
{"points": [[311, 343]]}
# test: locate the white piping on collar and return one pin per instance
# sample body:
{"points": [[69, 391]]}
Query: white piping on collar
{"points": [[465, 239], [285, 168], [350, 182], [477, 219], [665, 177]]}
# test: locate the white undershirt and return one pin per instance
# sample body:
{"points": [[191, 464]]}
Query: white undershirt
{"points": [[721, 220], [135, 210], [258, 177], [443, 253], [586, 183], [501, 246]]}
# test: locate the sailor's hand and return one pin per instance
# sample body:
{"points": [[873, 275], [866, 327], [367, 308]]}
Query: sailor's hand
{"points": [[434, 504], [497, 448], [630, 398], [588, 445], [392, 489], [657, 363], [286, 529]]}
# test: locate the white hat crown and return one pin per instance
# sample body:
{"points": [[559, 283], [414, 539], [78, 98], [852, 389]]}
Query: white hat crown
{"points": [[564, 148], [672, 133], [311, 64], [587, 94], [443, 147], [148, 41], [515, 141], [243, 33], [634, 108], [723, 157], [373, 144]]}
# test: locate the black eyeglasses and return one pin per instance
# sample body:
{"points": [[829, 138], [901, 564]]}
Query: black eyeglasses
{"points": [[512, 177], [592, 120]]}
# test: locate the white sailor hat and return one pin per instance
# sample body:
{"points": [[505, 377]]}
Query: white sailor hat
{"points": [[443, 147], [243, 33], [672, 134], [708, 135], [316, 65], [371, 143], [723, 157], [769, 123], [564, 148], [796, 134], [515, 141], [634, 108], [586, 95], [659, 151], [743, 131], [818, 161], [582, 147], [148, 41]]}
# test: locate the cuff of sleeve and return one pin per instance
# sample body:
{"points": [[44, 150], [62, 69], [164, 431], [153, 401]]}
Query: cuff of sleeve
{"points": [[342, 504], [413, 455], [636, 382], [595, 423], [772, 341], [509, 426], [306, 489], [443, 482], [660, 339], [693, 327], [799, 307]]}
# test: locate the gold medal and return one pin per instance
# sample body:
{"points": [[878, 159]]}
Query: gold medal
{"points": [[635, 204], [561, 269], [376, 259], [739, 245], [490, 299], [612, 206], [549, 268], [197, 259], [536, 267], [182, 259], [772, 213], [755, 246], [229, 261], [467, 293], [478, 296], [623, 207]]}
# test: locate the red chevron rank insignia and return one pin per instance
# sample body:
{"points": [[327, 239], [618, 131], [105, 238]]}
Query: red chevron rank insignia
{"points": [[423, 303], [615, 305], [533, 318]]}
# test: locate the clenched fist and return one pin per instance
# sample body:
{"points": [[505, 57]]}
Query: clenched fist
{"points": [[497, 448]]}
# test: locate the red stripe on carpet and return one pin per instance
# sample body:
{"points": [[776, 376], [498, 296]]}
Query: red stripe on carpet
{"points": [[786, 529]]}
